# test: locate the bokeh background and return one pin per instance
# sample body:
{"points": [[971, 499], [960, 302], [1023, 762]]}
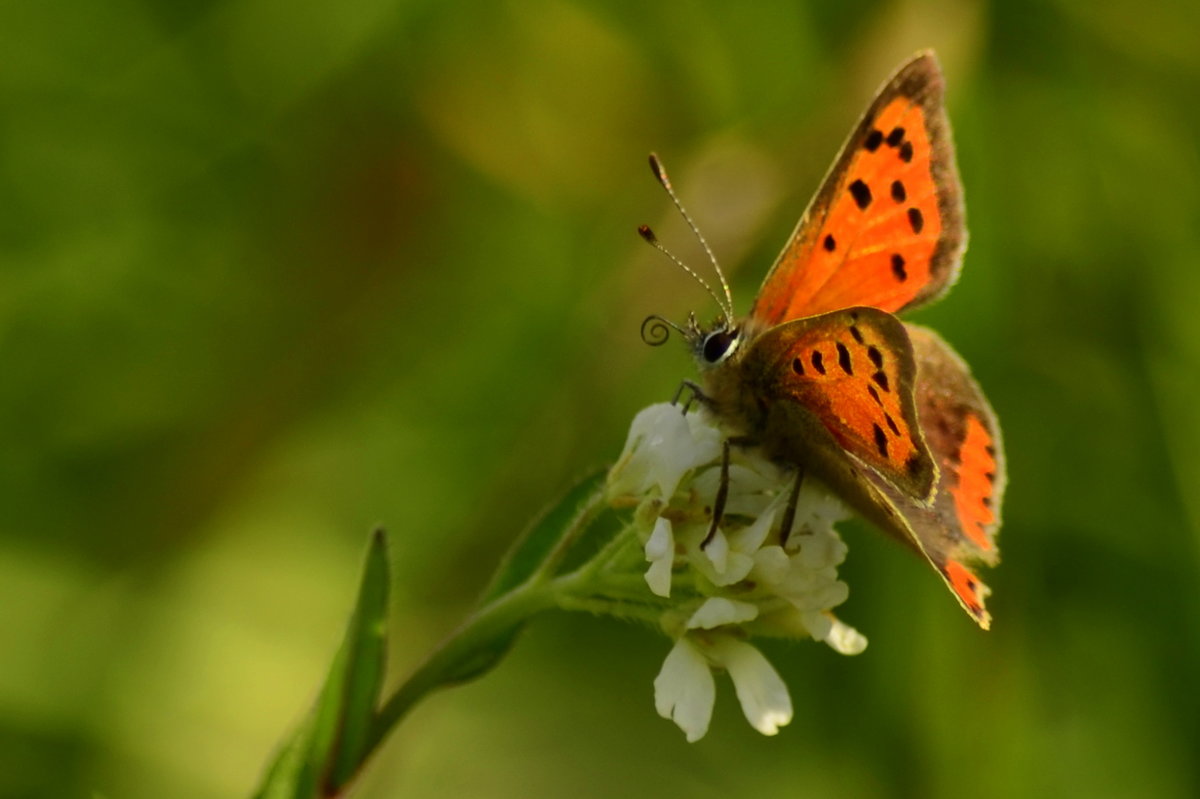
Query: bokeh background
{"points": [[273, 273]]}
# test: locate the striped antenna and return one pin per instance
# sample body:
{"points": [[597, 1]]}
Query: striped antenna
{"points": [[646, 233], [660, 174]]}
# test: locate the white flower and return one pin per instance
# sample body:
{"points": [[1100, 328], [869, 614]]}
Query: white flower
{"points": [[728, 560], [718, 586], [684, 690], [663, 445]]}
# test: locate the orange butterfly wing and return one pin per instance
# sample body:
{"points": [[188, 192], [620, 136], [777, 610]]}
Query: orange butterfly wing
{"points": [[853, 370], [964, 436], [886, 228]]}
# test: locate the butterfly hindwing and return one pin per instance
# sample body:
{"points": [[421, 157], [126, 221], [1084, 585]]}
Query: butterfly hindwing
{"points": [[964, 436], [959, 529], [886, 228], [853, 370]]}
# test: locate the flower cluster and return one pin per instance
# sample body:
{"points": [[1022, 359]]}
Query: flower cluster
{"points": [[716, 591]]}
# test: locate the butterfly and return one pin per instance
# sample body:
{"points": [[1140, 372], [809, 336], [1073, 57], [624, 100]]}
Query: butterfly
{"points": [[825, 378]]}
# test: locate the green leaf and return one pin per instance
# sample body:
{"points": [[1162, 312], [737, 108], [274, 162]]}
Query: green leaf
{"points": [[329, 746], [540, 539], [346, 722], [366, 645], [290, 775]]}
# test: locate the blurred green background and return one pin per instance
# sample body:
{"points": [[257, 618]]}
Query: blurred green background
{"points": [[273, 273]]}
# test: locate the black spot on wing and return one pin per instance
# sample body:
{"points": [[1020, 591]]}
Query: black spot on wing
{"points": [[881, 442], [844, 359], [915, 219], [830, 244], [906, 152], [876, 356], [898, 267], [858, 336], [899, 194], [818, 361], [895, 137], [861, 194], [881, 380], [891, 423], [873, 140]]}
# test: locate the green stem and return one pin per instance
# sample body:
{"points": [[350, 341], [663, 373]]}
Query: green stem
{"points": [[465, 654], [630, 610], [483, 637]]}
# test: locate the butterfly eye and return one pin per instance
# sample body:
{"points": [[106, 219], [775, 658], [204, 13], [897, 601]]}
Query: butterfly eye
{"points": [[720, 345]]}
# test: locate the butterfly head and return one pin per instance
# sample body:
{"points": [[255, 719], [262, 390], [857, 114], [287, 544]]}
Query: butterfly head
{"points": [[716, 345], [710, 346]]}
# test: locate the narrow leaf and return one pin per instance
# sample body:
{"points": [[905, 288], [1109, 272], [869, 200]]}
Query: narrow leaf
{"points": [[328, 747], [366, 643], [540, 538]]}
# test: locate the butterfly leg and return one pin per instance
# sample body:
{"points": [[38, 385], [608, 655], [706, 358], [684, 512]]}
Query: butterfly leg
{"points": [[718, 511], [789, 513], [696, 394]]}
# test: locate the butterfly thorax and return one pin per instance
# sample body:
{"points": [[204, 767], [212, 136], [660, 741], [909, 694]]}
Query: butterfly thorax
{"points": [[732, 392]]}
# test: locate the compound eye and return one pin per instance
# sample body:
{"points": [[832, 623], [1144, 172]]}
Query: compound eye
{"points": [[719, 345]]}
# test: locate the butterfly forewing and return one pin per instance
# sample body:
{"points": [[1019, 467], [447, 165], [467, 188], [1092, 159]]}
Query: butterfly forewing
{"points": [[886, 227], [853, 370]]}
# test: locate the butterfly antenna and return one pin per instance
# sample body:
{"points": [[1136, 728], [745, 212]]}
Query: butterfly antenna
{"points": [[657, 329], [660, 174], [646, 233]]}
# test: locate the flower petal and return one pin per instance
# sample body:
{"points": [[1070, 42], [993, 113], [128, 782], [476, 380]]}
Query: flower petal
{"points": [[717, 611], [719, 564], [717, 551], [817, 600], [737, 566], [684, 690], [760, 690], [661, 542], [771, 564], [660, 551], [751, 537], [819, 624], [663, 445], [658, 577], [819, 550], [844, 639]]}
